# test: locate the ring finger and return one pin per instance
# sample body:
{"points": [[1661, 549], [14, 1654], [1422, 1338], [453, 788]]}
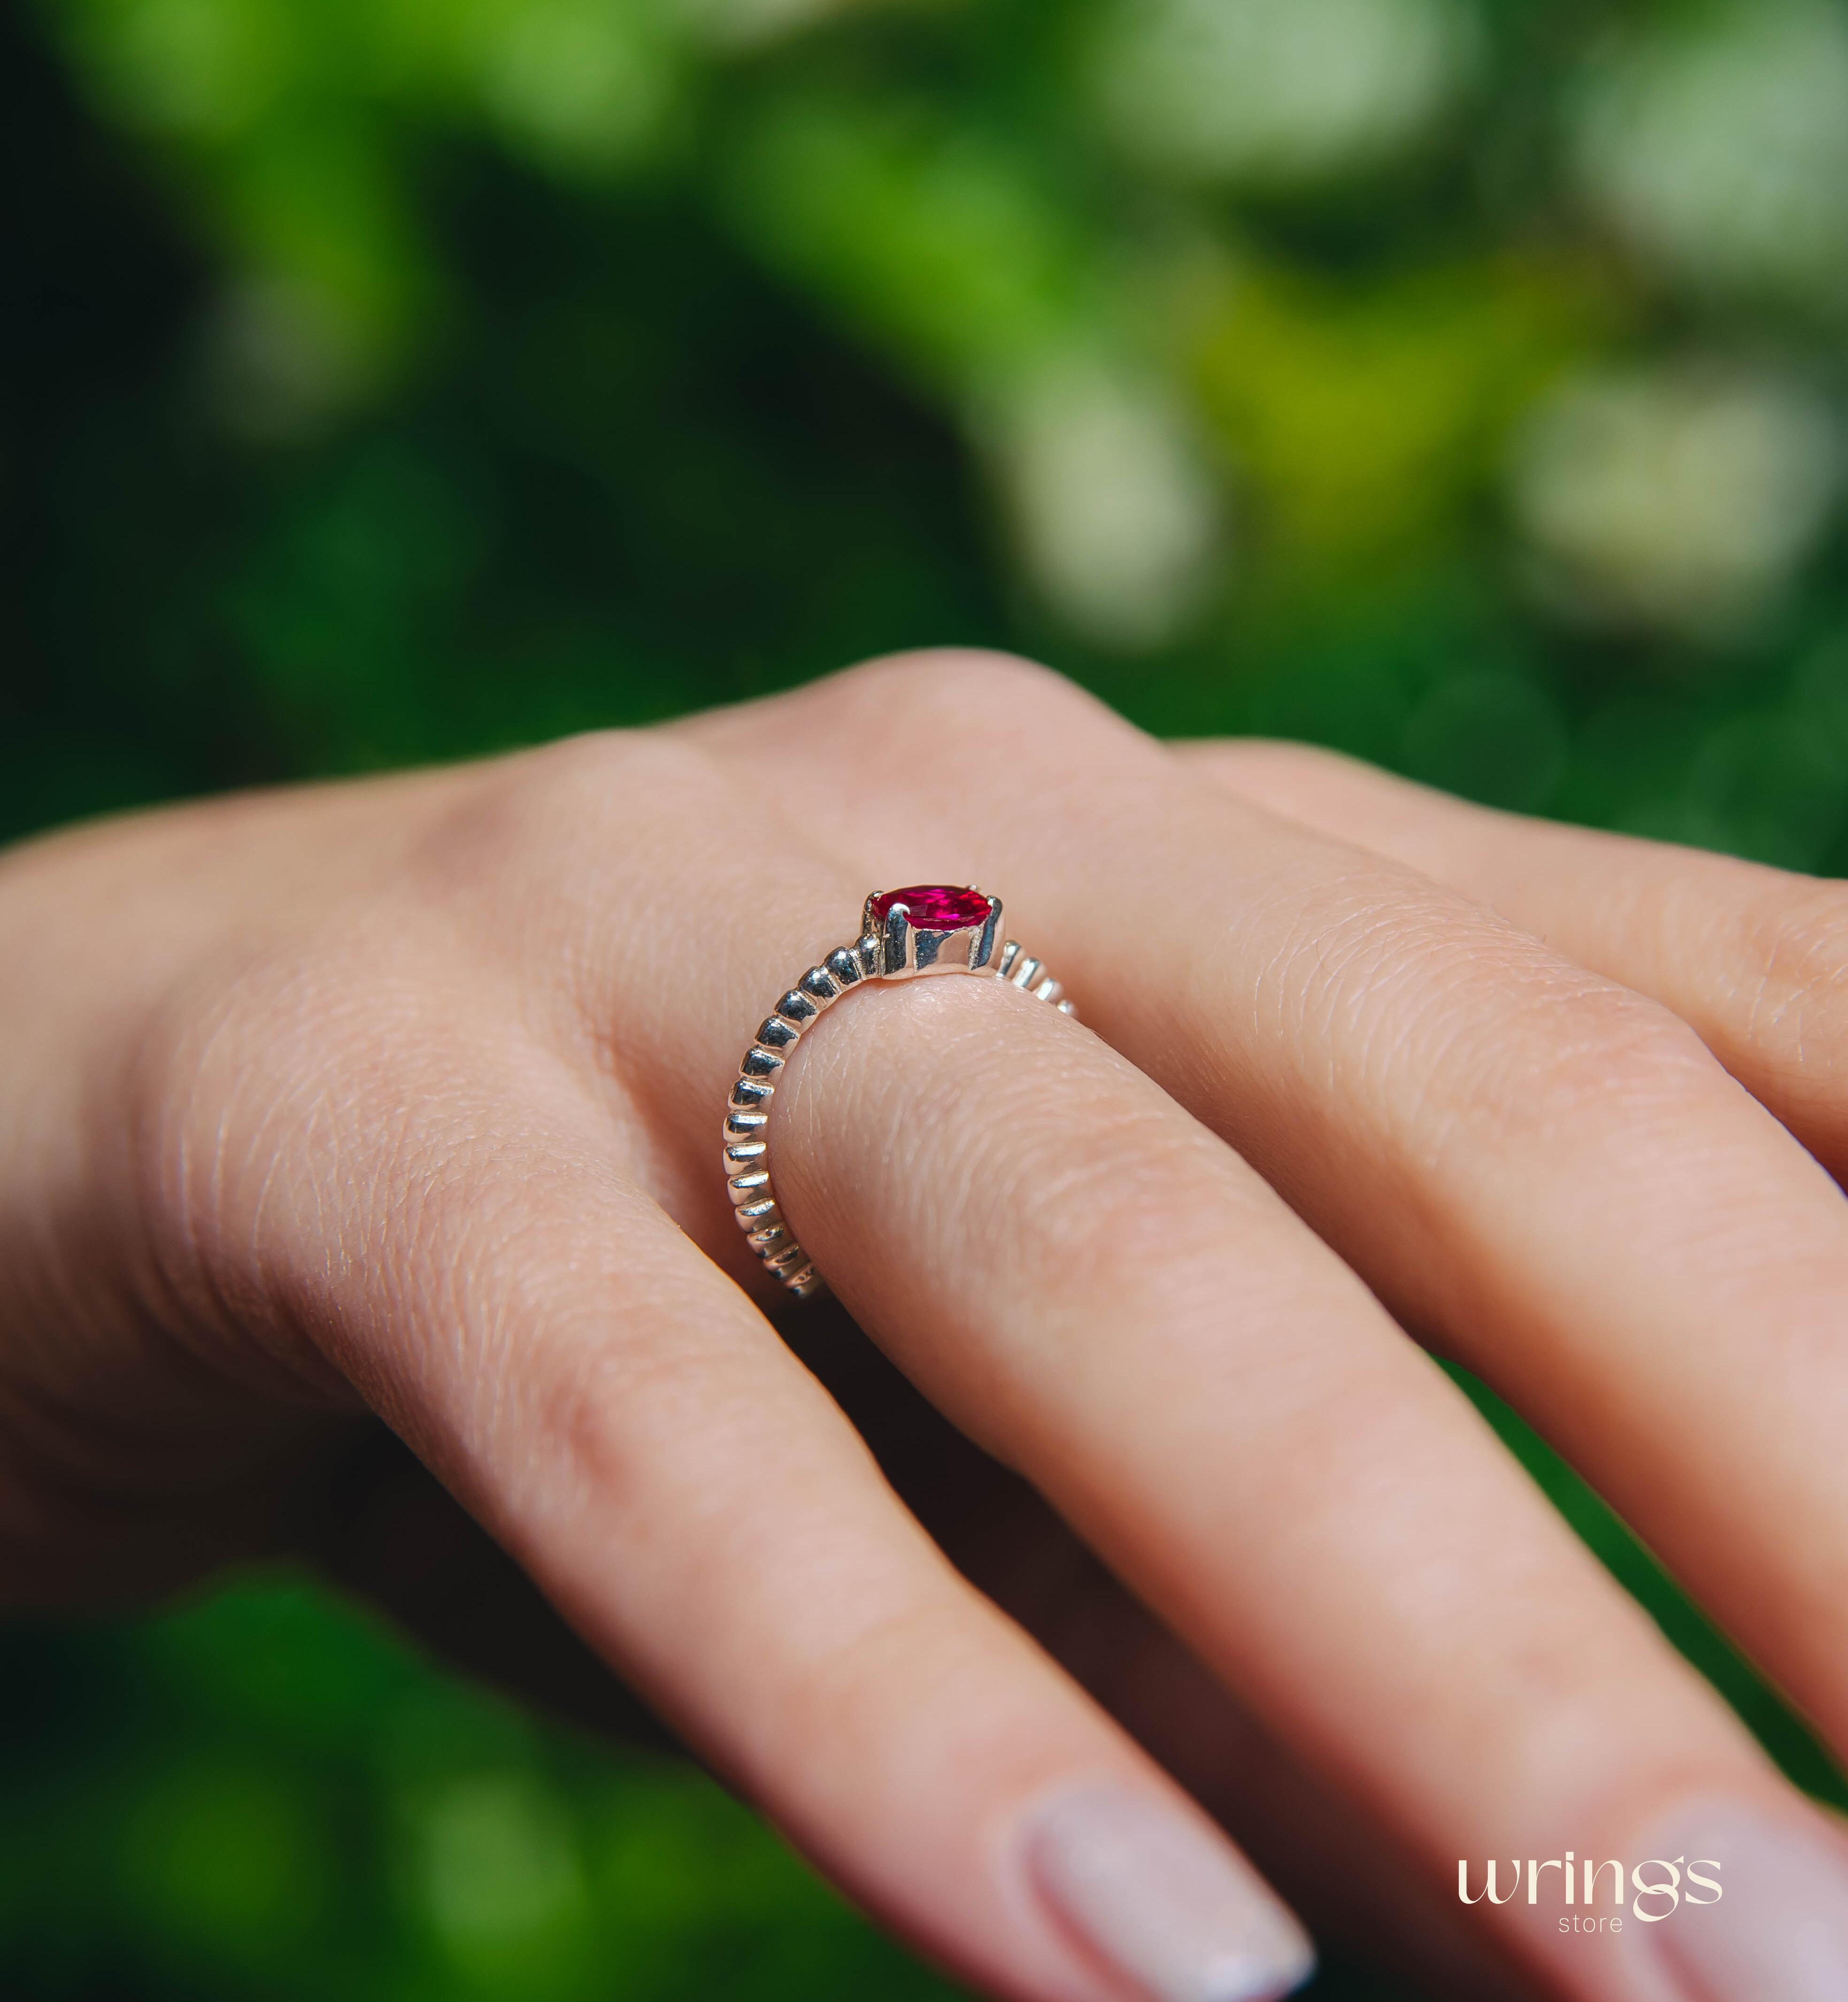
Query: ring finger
{"points": [[1090, 1285]]}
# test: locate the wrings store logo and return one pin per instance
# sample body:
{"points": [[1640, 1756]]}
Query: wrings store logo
{"points": [[1657, 1894]]}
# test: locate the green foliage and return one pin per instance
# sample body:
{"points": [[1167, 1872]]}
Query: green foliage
{"points": [[1458, 381], [264, 1794]]}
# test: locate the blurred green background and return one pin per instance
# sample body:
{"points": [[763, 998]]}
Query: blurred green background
{"points": [[1462, 383]]}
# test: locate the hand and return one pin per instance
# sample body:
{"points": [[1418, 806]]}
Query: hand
{"points": [[404, 1096]]}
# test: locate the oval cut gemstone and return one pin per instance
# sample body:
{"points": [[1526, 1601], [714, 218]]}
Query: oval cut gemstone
{"points": [[935, 907]]}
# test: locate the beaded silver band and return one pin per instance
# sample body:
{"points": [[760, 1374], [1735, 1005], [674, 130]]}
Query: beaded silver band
{"points": [[891, 947]]}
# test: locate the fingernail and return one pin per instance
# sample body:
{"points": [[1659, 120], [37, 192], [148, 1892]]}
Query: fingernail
{"points": [[1161, 1898], [1778, 1926]]}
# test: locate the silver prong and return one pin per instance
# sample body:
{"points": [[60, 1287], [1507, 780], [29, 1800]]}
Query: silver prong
{"points": [[1009, 952], [1047, 989], [1027, 971], [897, 942], [983, 950], [843, 965]]}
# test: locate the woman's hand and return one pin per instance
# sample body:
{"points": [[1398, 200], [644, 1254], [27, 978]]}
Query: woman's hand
{"points": [[404, 1095]]}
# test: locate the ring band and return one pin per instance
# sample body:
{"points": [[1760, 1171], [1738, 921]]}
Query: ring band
{"points": [[926, 928]]}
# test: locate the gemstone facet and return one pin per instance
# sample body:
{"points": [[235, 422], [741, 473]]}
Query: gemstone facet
{"points": [[934, 907]]}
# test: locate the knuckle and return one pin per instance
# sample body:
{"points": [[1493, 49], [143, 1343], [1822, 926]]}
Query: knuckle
{"points": [[958, 683], [536, 876], [1796, 946], [598, 764], [1019, 725], [1605, 1044], [1471, 1027], [534, 811], [606, 1404], [937, 673], [886, 1637], [1298, 766], [1560, 1051]]}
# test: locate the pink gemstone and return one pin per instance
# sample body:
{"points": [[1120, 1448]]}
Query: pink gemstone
{"points": [[935, 907]]}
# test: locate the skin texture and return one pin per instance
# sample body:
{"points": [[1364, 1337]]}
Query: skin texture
{"points": [[400, 1101]]}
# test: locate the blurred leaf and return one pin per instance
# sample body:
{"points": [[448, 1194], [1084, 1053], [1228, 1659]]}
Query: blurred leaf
{"points": [[1370, 417], [227, 1864], [1492, 736], [937, 241]]}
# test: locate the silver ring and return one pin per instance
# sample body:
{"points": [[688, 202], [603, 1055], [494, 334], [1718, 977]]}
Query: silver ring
{"points": [[924, 928]]}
